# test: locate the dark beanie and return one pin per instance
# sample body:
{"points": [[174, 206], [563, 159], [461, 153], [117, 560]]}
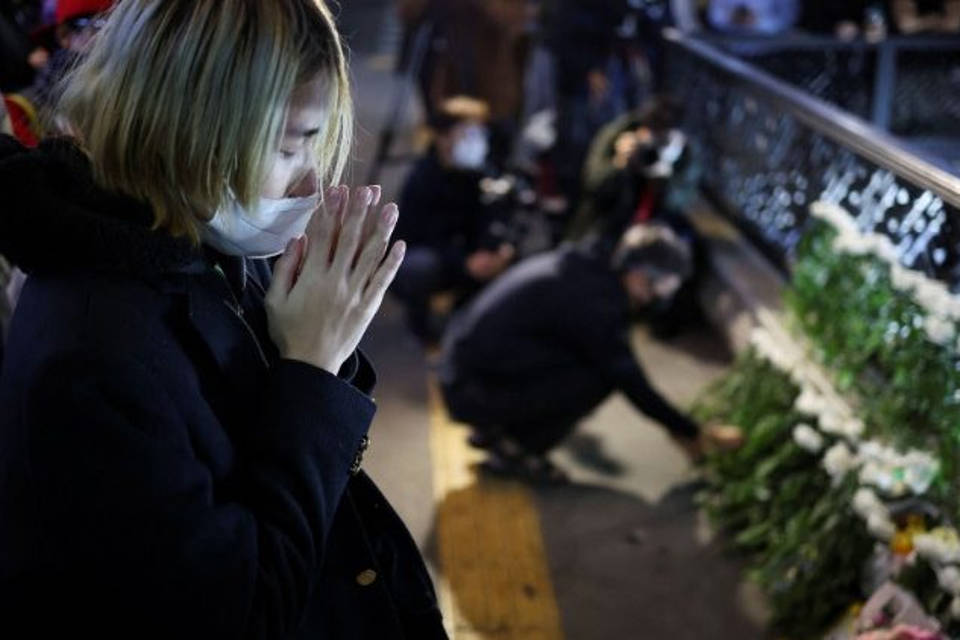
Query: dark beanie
{"points": [[653, 247]]}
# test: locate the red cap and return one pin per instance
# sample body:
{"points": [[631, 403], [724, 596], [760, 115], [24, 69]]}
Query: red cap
{"points": [[70, 9]]}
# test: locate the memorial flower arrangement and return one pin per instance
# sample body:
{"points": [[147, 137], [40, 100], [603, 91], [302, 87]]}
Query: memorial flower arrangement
{"points": [[851, 406]]}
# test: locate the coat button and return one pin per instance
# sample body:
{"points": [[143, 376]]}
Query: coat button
{"points": [[366, 578]]}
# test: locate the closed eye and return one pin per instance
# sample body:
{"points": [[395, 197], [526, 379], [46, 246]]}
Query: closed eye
{"points": [[303, 134]]}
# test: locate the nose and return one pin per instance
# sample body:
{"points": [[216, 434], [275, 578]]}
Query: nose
{"points": [[305, 186]]}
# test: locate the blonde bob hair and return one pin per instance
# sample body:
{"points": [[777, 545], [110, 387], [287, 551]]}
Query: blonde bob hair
{"points": [[179, 103]]}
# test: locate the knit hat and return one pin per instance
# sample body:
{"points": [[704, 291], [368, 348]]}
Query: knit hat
{"points": [[70, 9]]}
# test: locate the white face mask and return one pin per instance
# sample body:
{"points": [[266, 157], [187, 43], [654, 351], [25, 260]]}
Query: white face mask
{"points": [[669, 154], [262, 233], [470, 151]]}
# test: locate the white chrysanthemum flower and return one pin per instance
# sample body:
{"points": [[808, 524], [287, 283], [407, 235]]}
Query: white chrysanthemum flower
{"points": [[854, 428], [798, 373], [782, 357], [906, 280], [877, 474], [833, 422], [932, 295], [853, 244], [807, 438], [939, 546], [886, 251], [896, 473], [920, 470], [900, 278], [836, 217], [955, 608], [870, 450], [866, 502], [928, 547], [839, 460], [881, 526], [809, 402], [808, 370], [949, 579], [940, 330]]}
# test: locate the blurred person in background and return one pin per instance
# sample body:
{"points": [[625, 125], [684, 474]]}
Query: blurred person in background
{"points": [[182, 418], [412, 15], [417, 47], [845, 20], [476, 48], [21, 57], [76, 23], [641, 167], [686, 15], [15, 47], [22, 119], [926, 16], [594, 81], [447, 229], [760, 17], [545, 344]]}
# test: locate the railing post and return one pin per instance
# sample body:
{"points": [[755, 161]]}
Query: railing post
{"points": [[884, 85]]}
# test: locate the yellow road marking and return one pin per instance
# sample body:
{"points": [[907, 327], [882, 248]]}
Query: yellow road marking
{"points": [[494, 580]]}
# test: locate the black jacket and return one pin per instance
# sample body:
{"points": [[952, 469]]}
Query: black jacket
{"points": [[548, 316], [162, 472], [442, 211]]}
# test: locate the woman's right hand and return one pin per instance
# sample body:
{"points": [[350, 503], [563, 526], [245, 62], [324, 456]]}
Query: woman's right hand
{"points": [[328, 285]]}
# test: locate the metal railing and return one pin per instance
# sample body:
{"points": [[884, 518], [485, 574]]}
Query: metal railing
{"points": [[906, 85], [770, 149]]}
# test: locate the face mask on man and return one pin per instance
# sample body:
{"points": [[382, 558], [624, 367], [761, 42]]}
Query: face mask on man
{"points": [[659, 160], [263, 232], [470, 150]]}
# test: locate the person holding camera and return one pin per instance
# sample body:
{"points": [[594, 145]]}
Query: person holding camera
{"points": [[643, 168]]}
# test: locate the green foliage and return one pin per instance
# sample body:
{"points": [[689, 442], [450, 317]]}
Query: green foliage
{"points": [[812, 572], [872, 337], [804, 545]]}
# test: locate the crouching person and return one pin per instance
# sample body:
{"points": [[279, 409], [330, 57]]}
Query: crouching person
{"points": [[543, 346]]}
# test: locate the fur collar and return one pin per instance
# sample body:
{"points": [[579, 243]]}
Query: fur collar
{"points": [[54, 219]]}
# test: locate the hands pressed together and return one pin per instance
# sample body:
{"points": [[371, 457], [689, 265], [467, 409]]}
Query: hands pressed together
{"points": [[329, 284]]}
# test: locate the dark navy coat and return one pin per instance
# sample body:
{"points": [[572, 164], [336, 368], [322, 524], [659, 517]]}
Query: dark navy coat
{"points": [[162, 472]]}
